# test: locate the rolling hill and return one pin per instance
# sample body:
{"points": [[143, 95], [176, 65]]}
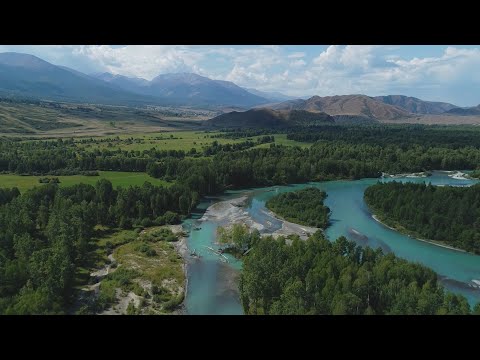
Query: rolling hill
{"points": [[358, 105], [415, 105], [52, 119], [267, 118]]}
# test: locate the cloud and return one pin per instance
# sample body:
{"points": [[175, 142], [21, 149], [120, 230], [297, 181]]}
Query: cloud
{"points": [[298, 63], [296, 55]]}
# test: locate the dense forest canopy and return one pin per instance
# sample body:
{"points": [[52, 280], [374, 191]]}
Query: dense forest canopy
{"points": [[303, 207], [342, 152], [400, 135], [447, 214], [45, 235], [317, 276]]}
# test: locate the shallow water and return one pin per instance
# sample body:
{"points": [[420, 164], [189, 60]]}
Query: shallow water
{"points": [[211, 288]]}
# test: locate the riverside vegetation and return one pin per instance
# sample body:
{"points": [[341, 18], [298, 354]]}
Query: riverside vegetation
{"points": [[303, 207], [449, 215], [317, 276]]}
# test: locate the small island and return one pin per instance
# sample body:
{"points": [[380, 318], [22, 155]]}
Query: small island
{"points": [[304, 207], [445, 216]]}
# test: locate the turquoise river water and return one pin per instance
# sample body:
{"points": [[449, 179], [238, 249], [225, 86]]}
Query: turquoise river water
{"points": [[212, 284]]}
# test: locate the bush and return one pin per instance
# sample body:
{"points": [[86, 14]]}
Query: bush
{"points": [[150, 252], [173, 303], [171, 217], [146, 249]]}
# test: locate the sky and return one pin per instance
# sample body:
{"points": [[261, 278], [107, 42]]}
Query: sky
{"points": [[447, 73]]}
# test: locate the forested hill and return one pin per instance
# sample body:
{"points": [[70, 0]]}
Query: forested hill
{"points": [[317, 276], [303, 207], [447, 214], [266, 118]]}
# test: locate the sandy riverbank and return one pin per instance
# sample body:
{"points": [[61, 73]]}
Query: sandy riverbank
{"points": [[231, 212], [459, 176], [422, 174], [427, 241], [289, 228]]}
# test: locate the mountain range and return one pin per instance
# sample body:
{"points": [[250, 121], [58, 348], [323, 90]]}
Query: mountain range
{"points": [[27, 76], [24, 75], [274, 96], [187, 89]]}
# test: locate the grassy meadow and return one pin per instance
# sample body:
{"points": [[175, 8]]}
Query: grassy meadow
{"points": [[118, 178], [173, 140]]}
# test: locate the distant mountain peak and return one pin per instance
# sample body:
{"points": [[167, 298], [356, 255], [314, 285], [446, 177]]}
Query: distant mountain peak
{"points": [[273, 96], [416, 105], [24, 60]]}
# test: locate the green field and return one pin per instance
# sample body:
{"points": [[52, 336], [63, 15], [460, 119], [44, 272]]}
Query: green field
{"points": [[281, 139], [117, 178], [174, 140]]}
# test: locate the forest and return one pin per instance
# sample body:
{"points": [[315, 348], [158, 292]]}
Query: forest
{"points": [[447, 214], [317, 276], [46, 234], [303, 207], [243, 164], [401, 135]]}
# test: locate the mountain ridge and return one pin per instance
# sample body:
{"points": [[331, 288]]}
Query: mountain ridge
{"points": [[473, 110], [352, 105], [415, 105], [187, 89]]}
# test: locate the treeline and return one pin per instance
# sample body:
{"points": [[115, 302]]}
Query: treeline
{"points": [[346, 153], [334, 160], [403, 136], [215, 147], [45, 235], [66, 158], [303, 207], [447, 214], [238, 133], [7, 195], [319, 277], [235, 169], [279, 165]]}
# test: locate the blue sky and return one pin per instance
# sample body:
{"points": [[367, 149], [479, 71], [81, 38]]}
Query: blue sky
{"points": [[439, 73]]}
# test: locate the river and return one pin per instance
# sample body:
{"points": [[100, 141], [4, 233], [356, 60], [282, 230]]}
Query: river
{"points": [[212, 284]]}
